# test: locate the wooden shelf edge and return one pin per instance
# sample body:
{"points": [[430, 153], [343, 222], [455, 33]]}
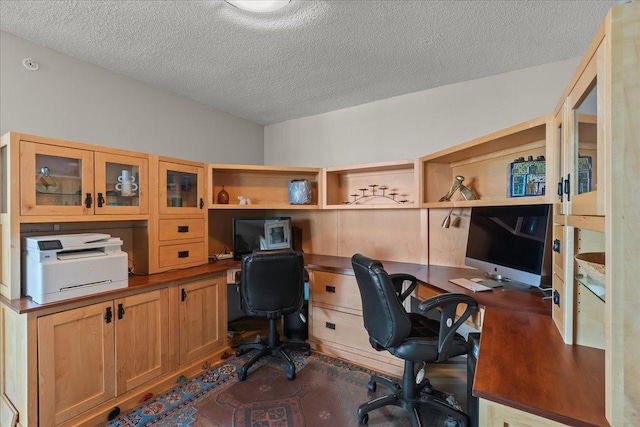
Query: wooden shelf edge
{"points": [[262, 206], [594, 223], [535, 200]]}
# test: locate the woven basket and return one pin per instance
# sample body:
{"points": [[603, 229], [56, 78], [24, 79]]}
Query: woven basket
{"points": [[593, 264]]}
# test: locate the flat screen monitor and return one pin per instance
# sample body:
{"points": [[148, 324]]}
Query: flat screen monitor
{"points": [[255, 234], [511, 243]]}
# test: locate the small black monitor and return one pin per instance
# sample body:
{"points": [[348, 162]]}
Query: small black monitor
{"points": [[511, 243], [255, 234]]}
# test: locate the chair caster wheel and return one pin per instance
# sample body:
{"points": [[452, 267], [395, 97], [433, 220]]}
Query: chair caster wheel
{"points": [[307, 353], [372, 386], [242, 375], [239, 353], [291, 373], [363, 420]]}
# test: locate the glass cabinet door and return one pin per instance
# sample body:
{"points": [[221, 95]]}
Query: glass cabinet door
{"points": [[587, 143], [181, 188], [55, 180], [121, 184]]}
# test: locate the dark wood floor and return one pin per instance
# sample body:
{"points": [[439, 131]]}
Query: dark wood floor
{"points": [[450, 376]]}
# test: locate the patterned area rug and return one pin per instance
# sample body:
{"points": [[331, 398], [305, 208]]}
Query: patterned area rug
{"points": [[325, 392]]}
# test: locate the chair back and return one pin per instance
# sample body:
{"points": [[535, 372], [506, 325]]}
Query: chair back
{"points": [[385, 319], [272, 283]]}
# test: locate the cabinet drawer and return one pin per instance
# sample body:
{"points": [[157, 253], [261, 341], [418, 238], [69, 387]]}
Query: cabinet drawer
{"points": [[338, 290], [182, 254], [176, 229], [340, 328]]}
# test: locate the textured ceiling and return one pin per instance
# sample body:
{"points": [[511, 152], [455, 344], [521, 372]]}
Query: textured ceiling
{"points": [[313, 56]]}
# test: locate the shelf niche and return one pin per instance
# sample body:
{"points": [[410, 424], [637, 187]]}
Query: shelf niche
{"points": [[484, 162]]}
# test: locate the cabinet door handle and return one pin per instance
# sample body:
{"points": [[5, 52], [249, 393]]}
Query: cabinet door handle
{"points": [[201, 203], [567, 187], [330, 325], [120, 311], [559, 191], [100, 200], [108, 315], [88, 200], [330, 289], [183, 229], [556, 246], [183, 254], [183, 295]]}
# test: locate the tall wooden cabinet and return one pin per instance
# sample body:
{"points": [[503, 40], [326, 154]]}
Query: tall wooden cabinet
{"points": [[597, 132], [178, 226]]}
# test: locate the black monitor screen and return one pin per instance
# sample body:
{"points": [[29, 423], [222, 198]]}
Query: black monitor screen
{"points": [[510, 241], [253, 234]]}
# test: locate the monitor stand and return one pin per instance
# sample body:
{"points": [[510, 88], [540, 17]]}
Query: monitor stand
{"points": [[505, 284], [492, 283]]}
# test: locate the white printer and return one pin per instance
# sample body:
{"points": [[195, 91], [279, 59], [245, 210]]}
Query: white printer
{"points": [[73, 265]]}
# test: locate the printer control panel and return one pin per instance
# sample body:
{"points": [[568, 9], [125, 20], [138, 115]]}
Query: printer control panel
{"points": [[48, 245]]}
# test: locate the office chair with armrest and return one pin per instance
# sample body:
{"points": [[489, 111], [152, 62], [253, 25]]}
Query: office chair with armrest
{"points": [[272, 285], [410, 336]]}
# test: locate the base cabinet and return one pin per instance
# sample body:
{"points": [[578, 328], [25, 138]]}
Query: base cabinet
{"points": [[495, 414], [76, 362], [337, 327], [91, 354], [203, 317]]}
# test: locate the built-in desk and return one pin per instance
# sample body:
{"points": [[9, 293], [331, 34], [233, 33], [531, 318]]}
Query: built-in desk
{"points": [[523, 362]]}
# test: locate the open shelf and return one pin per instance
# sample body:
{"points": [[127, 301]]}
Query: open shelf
{"points": [[266, 186], [388, 185], [485, 163]]}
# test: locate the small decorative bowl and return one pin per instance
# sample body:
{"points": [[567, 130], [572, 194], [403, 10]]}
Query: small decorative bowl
{"points": [[593, 264]]}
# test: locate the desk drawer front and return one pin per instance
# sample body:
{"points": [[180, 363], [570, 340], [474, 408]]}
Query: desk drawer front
{"points": [[340, 328], [181, 255], [558, 249], [180, 229], [337, 290]]}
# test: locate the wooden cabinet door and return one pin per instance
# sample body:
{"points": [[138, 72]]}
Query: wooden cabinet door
{"points": [[142, 338], [75, 362], [55, 180], [122, 184], [203, 317]]}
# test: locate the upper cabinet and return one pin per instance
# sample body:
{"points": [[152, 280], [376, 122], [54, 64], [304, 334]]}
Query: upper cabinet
{"points": [[511, 166], [387, 185], [583, 182], [181, 188], [264, 187], [59, 178]]}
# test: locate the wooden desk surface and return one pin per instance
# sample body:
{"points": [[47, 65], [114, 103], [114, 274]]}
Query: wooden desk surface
{"points": [[524, 363]]}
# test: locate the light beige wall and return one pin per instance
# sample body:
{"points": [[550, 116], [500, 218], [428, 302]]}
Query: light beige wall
{"points": [[412, 125], [74, 100]]}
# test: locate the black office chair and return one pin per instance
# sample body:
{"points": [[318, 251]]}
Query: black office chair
{"points": [[272, 285], [411, 337]]}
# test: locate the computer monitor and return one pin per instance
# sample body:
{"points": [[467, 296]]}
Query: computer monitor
{"points": [[511, 243], [254, 234]]}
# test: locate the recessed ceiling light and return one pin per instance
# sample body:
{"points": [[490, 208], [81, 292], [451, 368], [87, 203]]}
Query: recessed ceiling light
{"points": [[259, 5]]}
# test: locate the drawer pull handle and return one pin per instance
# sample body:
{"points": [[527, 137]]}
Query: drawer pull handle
{"points": [[183, 229], [183, 254], [330, 289], [556, 246], [330, 325]]}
